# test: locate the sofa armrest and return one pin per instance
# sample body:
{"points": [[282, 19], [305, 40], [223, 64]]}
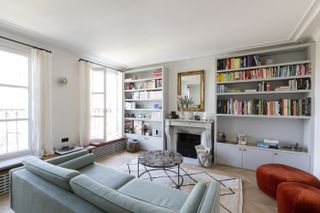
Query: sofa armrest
{"points": [[211, 200], [194, 199], [67, 157]]}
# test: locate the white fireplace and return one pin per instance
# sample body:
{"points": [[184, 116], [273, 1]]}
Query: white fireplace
{"points": [[175, 126]]}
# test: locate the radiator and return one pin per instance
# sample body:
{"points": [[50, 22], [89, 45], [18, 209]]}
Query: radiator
{"points": [[4, 183], [109, 149]]}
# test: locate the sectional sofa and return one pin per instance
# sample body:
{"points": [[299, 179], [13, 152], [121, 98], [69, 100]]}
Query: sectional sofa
{"points": [[75, 183]]}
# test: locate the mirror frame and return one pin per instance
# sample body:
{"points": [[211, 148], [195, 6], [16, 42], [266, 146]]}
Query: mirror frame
{"points": [[188, 73]]}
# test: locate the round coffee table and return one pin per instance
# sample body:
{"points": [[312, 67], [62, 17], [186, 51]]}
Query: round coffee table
{"points": [[161, 160]]}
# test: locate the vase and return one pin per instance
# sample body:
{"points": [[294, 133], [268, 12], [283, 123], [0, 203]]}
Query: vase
{"points": [[183, 116]]}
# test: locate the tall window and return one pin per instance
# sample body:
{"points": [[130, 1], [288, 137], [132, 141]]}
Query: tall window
{"points": [[106, 104], [14, 102]]}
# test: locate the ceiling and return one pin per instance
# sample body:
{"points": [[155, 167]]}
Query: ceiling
{"points": [[140, 32]]}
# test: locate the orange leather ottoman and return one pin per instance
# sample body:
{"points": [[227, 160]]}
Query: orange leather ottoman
{"points": [[298, 198], [269, 176]]}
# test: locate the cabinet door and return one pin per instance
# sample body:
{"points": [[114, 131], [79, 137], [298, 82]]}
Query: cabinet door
{"points": [[297, 160], [253, 158], [230, 155]]}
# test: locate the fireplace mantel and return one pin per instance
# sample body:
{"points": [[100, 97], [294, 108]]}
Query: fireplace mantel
{"points": [[174, 126]]}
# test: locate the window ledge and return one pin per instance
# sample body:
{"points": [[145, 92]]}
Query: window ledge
{"points": [[102, 143], [10, 163]]}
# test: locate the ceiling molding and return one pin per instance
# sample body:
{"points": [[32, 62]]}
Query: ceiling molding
{"points": [[306, 20]]}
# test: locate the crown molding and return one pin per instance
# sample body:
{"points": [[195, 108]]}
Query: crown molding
{"points": [[311, 13]]}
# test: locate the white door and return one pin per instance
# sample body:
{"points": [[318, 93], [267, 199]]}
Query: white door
{"points": [[253, 158], [300, 161], [230, 155]]}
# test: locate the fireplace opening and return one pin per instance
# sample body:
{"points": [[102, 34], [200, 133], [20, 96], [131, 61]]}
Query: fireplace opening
{"points": [[186, 143]]}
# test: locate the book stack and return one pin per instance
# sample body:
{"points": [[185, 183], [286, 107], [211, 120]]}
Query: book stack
{"points": [[265, 73], [282, 107], [268, 143], [157, 73], [238, 62]]}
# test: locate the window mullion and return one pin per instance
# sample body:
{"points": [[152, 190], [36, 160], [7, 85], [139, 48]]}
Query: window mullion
{"points": [[105, 106]]}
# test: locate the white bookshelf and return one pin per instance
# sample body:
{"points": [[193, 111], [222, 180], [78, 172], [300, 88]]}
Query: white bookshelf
{"points": [[288, 129], [139, 86]]}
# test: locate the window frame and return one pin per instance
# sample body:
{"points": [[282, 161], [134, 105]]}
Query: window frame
{"points": [[105, 110], [26, 52]]}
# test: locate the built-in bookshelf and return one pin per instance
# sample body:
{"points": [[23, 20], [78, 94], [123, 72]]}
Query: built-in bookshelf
{"points": [[145, 105], [267, 93]]}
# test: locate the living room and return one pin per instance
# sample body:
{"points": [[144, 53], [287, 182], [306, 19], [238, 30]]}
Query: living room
{"points": [[142, 106]]}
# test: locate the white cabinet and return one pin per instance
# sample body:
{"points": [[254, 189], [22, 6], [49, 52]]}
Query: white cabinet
{"points": [[297, 160], [228, 154], [250, 157]]}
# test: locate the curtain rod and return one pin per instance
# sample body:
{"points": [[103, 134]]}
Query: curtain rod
{"points": [[25, 44], [102, 65]]}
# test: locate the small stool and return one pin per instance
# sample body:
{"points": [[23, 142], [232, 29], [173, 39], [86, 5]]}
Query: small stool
{"points": [[269, 176], [298, 198]]}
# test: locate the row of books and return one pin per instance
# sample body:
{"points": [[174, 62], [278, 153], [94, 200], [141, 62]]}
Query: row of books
{"points": [[264, 73], [238, 62], [282, 107], [293, 85], [144, 95]]}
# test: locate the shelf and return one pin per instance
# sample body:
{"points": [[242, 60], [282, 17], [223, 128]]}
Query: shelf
{"points": [[264, 93], [265, 116], [140, 90], [142, 79], [133, 100], [143, 119], [264, 79], [264, 66], [143, 110]]}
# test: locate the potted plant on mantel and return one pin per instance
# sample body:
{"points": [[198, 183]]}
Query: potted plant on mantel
{"points": [[183, 103]]}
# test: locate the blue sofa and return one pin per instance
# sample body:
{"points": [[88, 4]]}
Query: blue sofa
{"points": [[75, 183]]}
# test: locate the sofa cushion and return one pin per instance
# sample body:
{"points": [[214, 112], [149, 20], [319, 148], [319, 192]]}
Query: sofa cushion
{"points": [[108, 177], [110, 200], [67, 157], [54, 174], [79, 162], [154, 193]]}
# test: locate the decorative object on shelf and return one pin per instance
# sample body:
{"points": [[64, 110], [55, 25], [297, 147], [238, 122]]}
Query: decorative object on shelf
{"points": [[183, 102], [190, 116], [156, 132], [173, 115], [206, 117], [63, 81], [221, 137], [197, 117], [268, 143], [191, 85], [156, 106], [242, 139]]}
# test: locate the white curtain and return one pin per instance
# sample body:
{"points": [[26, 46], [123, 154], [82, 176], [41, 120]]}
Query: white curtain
{"points": [[41, 127], [85, 70]]}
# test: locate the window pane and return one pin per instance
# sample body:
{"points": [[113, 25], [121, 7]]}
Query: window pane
{"points": [[13, 136], [14, 103], [97, 84], [114, 105], [97, 128], [13, 69], [97, 105]]}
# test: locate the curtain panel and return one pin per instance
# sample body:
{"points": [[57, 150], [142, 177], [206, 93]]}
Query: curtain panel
{"points": [[41, 102]]}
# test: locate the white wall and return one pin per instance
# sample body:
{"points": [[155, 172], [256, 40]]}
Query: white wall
{"points": [[65, 98]]}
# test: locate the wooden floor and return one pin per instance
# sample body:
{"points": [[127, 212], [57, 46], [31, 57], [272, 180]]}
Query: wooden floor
{"points": [[254, 201]]}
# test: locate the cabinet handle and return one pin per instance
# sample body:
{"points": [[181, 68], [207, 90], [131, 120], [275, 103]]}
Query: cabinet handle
{"points": [[146, 138], [240, 149], [244, 149], [275, 153]]}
